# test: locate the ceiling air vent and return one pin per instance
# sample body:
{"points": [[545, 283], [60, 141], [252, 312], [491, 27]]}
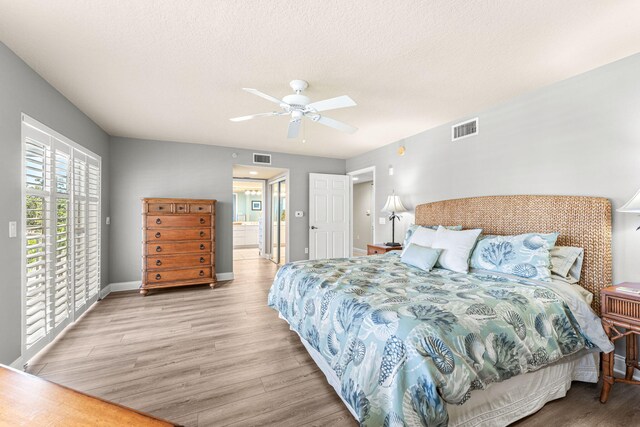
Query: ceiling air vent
{"points": [[464, 129], [261, 159]]}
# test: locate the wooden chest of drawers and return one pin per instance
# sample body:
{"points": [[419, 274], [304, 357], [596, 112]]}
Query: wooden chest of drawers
{"points": [[179, 240]]}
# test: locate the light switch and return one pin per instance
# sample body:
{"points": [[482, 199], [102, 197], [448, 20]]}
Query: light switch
{"points": [[382, 220], [13, 229], [108, 220]]}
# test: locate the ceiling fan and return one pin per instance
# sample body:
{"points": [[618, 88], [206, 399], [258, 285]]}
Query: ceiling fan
{"points": [[298, 106]]}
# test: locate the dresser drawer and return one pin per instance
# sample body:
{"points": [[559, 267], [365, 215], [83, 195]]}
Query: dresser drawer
{"points": [[199, 208], [179, 234], [177, 261], [157, 221], [180, 208], [160, 207], [176, 275], [178, 247]]}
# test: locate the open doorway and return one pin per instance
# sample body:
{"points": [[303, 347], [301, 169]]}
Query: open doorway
{"points": [[363, 209], [259, 213], [248, 199]]}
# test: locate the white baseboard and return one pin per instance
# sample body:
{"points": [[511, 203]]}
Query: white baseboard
{"points": [[104, 292], [18, 364], [132, 286], [619, 367], [125, 286], [224, 276]]}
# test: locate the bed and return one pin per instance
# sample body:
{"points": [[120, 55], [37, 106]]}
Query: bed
{"points": [[406, 347]]}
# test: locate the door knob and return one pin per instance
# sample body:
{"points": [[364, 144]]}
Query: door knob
{"points": [[313, 227]]}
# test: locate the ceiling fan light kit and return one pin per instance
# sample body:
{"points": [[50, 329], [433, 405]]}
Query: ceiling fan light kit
{"points": [[298, 106]]}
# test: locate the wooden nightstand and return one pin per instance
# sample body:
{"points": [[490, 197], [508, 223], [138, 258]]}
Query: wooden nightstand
{"points": [[381, 248], [620, 310]]}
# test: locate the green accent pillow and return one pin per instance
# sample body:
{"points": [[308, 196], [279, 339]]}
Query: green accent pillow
{"points": [[422, 257]]}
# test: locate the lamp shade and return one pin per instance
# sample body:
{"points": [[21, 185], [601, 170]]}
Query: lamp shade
{"points": [[633, 205], [393, 205]]}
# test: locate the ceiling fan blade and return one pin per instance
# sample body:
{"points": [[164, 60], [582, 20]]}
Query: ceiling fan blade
{"points": [[253, 116], [294, 128], [263, 95], [333, 103], [332, 123]]}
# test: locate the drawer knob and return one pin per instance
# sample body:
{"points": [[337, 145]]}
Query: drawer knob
{"points": [[202, 234], [199, 208], [180, 207], [158, 249], [158, 277], [201, 260], [158, 263], [160, 208], [202, 221], [158, 221], [202, 247], [158, 235], [201, 273]]}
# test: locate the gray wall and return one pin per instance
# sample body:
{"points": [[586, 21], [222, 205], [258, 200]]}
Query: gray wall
{"points": [[362, 193], [577, 137], [24, 91], [142, 168]]}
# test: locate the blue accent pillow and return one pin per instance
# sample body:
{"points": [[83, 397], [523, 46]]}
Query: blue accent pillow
{"points": [[420, 256], [413, 227], [524, 255]]}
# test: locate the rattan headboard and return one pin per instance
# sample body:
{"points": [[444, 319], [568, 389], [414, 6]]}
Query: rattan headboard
{"points": [[583, 222]]}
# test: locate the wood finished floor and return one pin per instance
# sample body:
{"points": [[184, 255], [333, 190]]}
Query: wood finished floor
{"points": [[203, 357]]}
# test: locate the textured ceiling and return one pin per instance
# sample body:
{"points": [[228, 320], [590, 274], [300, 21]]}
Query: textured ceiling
{"points": [[174, 69]]}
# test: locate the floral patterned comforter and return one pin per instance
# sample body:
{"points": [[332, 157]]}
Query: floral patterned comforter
{"points": [[403, 341]]}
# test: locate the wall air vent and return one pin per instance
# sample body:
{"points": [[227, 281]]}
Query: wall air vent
{"points": [[464, 129], [261, 159]]}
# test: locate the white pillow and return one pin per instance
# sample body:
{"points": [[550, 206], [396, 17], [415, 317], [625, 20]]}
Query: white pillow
{"points": [[423, 236], [456, 248]]}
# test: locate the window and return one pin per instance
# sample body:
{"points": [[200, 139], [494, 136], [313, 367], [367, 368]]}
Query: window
{"points": [[61, 223]]}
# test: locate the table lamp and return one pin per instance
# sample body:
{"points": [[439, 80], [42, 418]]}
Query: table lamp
{"points": [[632, 206], [393, 207]]}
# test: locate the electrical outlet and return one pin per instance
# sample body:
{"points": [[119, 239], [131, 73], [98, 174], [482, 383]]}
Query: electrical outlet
{"points": [[13, 229], [306, 250], [382, 220], [108, 220]]}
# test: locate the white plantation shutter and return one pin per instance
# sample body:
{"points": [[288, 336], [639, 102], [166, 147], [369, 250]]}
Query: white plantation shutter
{"points": [[62, 257], [61, 222], [37, 197], [93, 228], [79, 230]]}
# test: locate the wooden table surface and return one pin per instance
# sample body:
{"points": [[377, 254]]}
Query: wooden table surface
{"points": [[28, 400]]}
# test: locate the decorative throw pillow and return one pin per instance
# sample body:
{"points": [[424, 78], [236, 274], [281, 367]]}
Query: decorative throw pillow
{"points": [[566, 262], [413, 227], [524, 255], [422, 257], [456, 247], [422, 236]]}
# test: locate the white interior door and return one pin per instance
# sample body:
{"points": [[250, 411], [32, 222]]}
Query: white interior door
{"points": [[329, 216]]}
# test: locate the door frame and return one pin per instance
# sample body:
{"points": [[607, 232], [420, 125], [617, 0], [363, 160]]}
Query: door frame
{"points": [[373, 204], [268, 198]]}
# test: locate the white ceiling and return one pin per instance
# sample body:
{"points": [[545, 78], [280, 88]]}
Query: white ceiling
{"points": [[174, 69]]}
